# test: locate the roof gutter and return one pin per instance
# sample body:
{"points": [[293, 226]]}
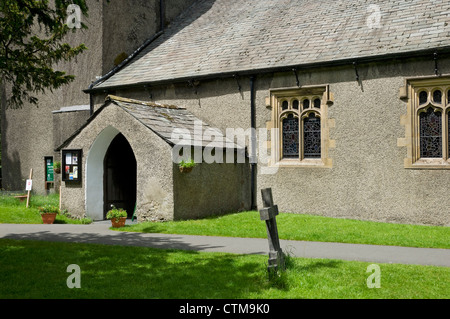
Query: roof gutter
{"points": [[253, 158], [431, 53]]}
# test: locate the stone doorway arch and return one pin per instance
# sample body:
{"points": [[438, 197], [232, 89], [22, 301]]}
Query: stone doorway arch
{"points": [[97, 199], [95, 172], [120, 176]]}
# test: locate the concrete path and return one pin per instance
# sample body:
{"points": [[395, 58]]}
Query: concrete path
{"points": [[99, 233]]}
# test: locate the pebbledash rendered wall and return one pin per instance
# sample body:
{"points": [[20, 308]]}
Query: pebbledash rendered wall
{"points": [[367, 179], [212, 189], [163, 192]]}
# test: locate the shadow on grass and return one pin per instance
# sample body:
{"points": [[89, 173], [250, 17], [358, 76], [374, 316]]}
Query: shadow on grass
{"points": [[32, 269]]}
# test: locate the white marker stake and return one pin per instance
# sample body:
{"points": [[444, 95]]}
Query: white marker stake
{"points": [[29, 186]]}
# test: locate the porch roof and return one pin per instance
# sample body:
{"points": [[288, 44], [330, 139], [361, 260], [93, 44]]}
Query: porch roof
{"points": [[175, 125]]}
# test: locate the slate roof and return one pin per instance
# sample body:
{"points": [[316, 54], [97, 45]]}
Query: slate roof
{"points": [[74, 108], [163, 120], [226, 36]]}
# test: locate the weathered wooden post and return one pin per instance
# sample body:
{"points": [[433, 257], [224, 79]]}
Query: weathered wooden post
{"points": [[268, 214], [29, 187]]}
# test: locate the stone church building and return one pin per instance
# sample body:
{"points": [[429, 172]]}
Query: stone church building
{"points": [[345, 107]]}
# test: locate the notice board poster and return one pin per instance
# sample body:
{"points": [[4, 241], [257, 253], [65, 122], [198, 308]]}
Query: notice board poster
{"points": [[72, 165], [49, 173]]}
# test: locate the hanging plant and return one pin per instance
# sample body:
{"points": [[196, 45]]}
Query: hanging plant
{"points": [[186, 167], [57, 167]]}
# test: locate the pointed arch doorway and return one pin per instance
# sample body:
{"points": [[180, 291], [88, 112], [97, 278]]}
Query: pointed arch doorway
{"points": [[120, 176]]}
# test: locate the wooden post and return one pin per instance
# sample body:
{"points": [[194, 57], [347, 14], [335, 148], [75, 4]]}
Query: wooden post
{"points": [[60, 201], [29, 191], [268, 214]]}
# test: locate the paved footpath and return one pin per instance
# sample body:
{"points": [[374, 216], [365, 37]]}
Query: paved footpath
{"points": [[99, 233]]}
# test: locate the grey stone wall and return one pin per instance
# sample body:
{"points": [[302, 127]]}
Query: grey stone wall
{"points": [[66, 123], [128, 25], [28, 132]]}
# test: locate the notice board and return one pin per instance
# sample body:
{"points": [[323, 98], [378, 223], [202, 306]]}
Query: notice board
{"points": [[71, 165]]}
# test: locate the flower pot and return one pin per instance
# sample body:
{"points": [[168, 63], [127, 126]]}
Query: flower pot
{"points": [[118, 222], [48, 219], [57, 170], [185, 169]]}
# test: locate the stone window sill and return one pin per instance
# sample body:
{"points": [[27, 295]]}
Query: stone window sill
{"points": [[430, 163], [310, 163]]}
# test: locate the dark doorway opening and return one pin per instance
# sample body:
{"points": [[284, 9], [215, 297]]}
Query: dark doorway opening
{"points": [[120, 176]]}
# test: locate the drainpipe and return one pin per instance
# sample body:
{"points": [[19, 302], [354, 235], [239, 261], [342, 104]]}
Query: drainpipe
{"points": [[162, 14], [253, 159], [91, 104]]}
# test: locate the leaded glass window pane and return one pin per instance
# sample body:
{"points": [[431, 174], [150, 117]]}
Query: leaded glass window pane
{"points": [[448, 97], [285, 105], [295, 105], [305, 104], [317, 103], [423, 97], [290, 137], [437, 96], [312, 137], [431, 134], [448, 125]]}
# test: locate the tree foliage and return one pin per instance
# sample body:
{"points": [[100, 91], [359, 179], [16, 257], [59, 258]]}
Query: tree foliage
{"points": [[32, 42]]}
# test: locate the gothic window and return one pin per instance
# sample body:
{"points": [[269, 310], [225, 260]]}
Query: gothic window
{"points": [[429, 125], [299, 120]]}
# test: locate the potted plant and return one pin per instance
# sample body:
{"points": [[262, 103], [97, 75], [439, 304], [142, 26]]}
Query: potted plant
{"points": [[186, 167], [57, 167], [118, 217], [48, 213]]}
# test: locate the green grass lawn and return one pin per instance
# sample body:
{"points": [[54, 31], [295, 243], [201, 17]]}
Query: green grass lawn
{"points": [[31, 269], [249, 225], [14, 211], [308, 228]]}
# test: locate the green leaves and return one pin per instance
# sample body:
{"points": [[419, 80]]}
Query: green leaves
{"points": [[116, 213], [31, 44], [48, 209]]}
